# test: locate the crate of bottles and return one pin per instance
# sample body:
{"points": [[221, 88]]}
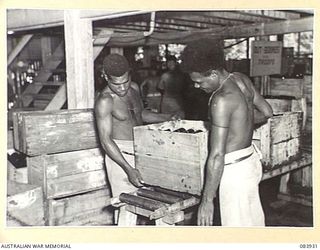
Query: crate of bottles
{"points": [[172, 154]]}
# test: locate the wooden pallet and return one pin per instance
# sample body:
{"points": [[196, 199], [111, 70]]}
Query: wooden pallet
{"points": [[163, 205]]}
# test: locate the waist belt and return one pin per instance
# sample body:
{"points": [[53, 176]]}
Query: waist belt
{"points": [[238, 155], [153, 94], [238, 160]]}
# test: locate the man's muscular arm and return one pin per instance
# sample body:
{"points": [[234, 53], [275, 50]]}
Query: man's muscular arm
{"points": [[220, 111], [103, 113], [262, 110]]}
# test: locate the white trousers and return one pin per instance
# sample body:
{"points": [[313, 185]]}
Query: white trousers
{"points": [[240, 204], [119, 182]]}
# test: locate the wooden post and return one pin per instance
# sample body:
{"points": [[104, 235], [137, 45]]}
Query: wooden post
{"points": [[264, 80], [283, 189], [79, 60], [46, 49]]}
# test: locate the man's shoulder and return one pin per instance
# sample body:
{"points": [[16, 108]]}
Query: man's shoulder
{"points": [[104, 97], [225, 100], [242, 77]]}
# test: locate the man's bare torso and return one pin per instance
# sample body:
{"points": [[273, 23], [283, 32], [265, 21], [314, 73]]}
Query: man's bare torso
{"points": [[239, 92], [126, 113]]}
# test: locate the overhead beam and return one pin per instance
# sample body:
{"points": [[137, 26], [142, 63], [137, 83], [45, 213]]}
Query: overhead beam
{"points": [[273, 14], [207, 20], [239, 31], [175, 22], [28, 19], [238, 16]]}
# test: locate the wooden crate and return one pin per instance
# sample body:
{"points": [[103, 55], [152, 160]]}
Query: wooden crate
{"points": [[286, 87], [47, 132], [279, 139], [281, 105], [25, 204], [67, 173], [83, 209], [169, 159]]}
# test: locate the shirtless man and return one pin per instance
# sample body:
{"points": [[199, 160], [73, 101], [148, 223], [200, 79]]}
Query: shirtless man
{"points": [[233, 162], [118, 109], [150, 94], [172, 84]]}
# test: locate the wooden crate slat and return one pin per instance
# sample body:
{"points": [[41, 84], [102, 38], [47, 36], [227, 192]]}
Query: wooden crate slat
{"points": [[47, 132], [163, 144], [285, 127], [95, 217], [69, 163], [74, 184], [67, 173], [286, 87], [279, 139], [178, 176], [65, 210], [280, 105]]}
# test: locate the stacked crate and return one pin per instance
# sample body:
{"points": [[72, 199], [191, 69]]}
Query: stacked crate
{"points": [[279, 139], [65, 160], [281, 105]]}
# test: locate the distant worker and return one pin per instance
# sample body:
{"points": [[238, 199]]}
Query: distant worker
{"points": [[149, 91], [171, 85]]}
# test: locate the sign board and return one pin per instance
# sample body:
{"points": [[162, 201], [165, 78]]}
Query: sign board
{"points": [[265, 58]]}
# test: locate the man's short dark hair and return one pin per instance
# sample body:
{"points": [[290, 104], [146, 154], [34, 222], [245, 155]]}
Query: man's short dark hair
{"points": [[202, 55], [115, 65]]}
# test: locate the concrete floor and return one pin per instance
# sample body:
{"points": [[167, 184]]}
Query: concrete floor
{"points": [[285, 213]]}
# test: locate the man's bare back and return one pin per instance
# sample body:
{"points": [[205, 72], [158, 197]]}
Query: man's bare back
{"points": [[238, 91]]}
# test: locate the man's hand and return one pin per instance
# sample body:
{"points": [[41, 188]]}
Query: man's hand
{"points": [[177, 116], [205, 214], [134, 177]]}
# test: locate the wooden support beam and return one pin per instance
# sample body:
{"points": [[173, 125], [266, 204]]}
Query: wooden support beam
{"points": [[272, 14], [44, 74], [15, 52], [79, 60], [26, 19], [102, 39], [246, 30], [59, 99], [304, 161]]}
